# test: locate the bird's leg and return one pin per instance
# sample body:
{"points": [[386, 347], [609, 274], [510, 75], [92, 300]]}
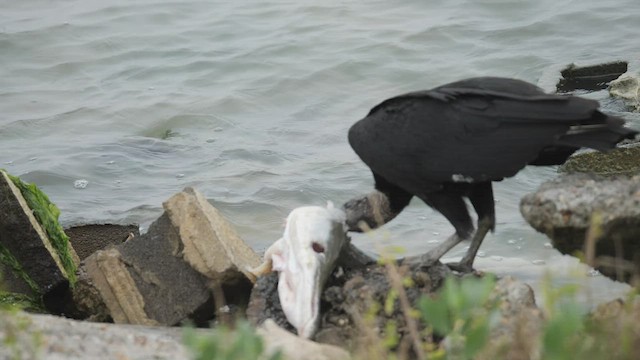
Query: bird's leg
{"points": [[466, 263], [436, 253], [453, 207], [481, 197]]}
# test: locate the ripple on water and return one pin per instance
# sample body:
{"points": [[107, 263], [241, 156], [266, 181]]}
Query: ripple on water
{"points": [[252, 103]]}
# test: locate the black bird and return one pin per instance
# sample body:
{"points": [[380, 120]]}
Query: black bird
{"points": [[451, 142]]}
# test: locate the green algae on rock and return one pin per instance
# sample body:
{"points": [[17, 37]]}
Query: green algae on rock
{"points": [[47, 213], [21, 301], [10, 261], [619, 161]]}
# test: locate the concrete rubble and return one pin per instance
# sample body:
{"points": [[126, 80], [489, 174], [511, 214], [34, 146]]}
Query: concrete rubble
{"points": [[36, 336], [171, 273], [31, 263], [627, 88]]}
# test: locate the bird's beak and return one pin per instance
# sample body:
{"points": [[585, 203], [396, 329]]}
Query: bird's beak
{"points": [[305, 257], [302, 277]]}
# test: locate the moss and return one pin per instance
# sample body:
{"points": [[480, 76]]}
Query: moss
{"points": [[624, 160], [7, 258], [47, 215], [21, 301]]}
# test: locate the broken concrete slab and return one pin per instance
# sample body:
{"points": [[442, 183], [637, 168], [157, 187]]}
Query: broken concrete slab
{"points": [[592, 77], [209, 243], [26, 247], [143, 281], [190, 256], [89, 238]]}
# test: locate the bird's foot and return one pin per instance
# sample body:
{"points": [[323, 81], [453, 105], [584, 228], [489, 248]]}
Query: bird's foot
{"points": [[460, 267], [465, 265], [434, 255], [423, 261]]}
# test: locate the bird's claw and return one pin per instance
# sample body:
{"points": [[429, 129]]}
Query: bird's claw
{"points": [[464, 267]]}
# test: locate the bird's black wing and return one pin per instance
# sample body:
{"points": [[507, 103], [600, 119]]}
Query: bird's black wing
{"points": [[475, 130]]}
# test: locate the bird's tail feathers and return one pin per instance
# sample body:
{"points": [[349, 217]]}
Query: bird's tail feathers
{"points": [[599, 136]]}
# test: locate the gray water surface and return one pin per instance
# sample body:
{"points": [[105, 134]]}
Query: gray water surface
{"points": [[250, 102]]}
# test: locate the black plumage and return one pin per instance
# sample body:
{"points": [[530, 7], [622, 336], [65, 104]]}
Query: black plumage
{"points": [[451, 142]]}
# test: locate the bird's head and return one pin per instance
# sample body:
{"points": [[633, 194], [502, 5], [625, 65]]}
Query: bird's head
{"points": [[305, 256], [368, 212]]}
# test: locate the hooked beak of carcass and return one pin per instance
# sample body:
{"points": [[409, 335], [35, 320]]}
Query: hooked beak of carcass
{"points": [[305, 256]]}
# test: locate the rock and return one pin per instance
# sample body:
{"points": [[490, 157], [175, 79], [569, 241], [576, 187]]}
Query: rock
{"points": [[264, 303], [617, 320], [35, 265], [87, 300], [516, 334], [619, 161], [33, 336], [89, 238], [189, 256], [349, 295], [291, 346], [593, 77], [627, 88], [209, 243], [567, 207], [145, 281]]}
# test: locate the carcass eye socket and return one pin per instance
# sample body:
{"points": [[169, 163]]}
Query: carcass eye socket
{"points": [[317, 247]]}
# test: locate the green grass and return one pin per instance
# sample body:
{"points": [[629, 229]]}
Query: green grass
{"points": [[20, 301]]}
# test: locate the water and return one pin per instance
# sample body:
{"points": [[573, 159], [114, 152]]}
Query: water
{"points": [[112, 107]]}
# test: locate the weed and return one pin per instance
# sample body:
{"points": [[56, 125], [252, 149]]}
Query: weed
{"points": [[222, 343]]}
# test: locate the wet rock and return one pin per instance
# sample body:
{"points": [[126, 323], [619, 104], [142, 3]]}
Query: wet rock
{"points": [[627, 88], [349, 295], [592, 77], [294, 347], [575, 208], [619, 161], [190, 257], [31, 262], [89, 238]]}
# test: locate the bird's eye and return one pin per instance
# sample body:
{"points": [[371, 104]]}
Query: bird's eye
{"points": [[317, 247]]}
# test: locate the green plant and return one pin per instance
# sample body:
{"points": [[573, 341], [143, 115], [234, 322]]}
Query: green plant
{"points": [[571, 333], [461, 311], [20, 301], [222, 343]]}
